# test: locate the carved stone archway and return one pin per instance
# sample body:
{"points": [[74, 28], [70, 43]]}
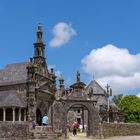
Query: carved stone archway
{"points": [[59, 117], [93, 118]]}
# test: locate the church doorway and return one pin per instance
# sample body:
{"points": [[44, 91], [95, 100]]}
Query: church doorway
{"points": [[39, 117]]}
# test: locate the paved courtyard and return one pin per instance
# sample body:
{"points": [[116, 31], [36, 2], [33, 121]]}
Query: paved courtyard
{"points": [[83, 137]]}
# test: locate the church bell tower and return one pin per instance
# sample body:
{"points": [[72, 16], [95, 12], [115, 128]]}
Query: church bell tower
{"points": [[39, 53], [39, 47]]}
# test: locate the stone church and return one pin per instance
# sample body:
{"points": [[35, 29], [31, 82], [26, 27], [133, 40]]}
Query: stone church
{"points": [[28, 91]]}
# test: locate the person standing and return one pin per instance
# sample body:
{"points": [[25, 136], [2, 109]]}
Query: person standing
{"points": [[33, 122], [45, 120]]}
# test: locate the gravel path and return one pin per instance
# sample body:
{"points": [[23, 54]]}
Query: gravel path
{"points": [[125, 138]]}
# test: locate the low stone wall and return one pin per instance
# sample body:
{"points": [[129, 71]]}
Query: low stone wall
{"points": [[13, 131], [120, 129]]}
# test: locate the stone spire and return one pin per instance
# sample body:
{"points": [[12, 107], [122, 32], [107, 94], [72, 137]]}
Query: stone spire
{"points": [[39, 53], [39, 47]]}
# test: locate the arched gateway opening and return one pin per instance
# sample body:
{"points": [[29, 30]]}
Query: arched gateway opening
{"points": [[78, 113]]}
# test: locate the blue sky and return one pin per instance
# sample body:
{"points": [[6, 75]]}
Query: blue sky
{"points": [[101, 28]]}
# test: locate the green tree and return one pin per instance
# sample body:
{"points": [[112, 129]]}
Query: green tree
{"points": [[117, 99], [131, 106]]}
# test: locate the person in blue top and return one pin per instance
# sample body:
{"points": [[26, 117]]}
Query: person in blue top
{"points": [[45, 120]]}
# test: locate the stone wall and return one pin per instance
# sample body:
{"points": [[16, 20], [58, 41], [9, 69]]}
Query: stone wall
{"points": [[57, 116], [13, 131], [120, 129]]}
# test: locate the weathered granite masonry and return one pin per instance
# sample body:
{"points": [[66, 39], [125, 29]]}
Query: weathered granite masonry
{"points": [[120, 129], [13, 131]]}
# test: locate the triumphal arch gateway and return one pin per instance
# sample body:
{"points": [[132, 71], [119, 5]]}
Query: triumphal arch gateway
{"points": [[28, 91]]}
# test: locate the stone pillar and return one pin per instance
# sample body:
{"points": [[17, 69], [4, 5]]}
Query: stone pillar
{"points": [[31, 101], [24, 115], [4, 116], [31, 83], [19, 115], [13, 114]]}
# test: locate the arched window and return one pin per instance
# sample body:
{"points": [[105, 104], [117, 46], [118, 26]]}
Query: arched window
{"points": [[9, 114]]}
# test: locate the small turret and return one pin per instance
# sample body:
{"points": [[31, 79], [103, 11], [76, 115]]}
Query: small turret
{"points": [[39, 47], [61, 82], [39, 53]]}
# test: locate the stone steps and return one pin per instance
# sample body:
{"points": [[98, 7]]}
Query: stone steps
{"points": [[44, 133]]}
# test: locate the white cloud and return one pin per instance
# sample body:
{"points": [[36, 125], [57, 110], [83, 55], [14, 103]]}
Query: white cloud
{"points": [[115, 66], [62, 33]]}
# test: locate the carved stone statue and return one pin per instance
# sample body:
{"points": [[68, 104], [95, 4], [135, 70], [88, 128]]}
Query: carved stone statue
{"points": [[78, 76], [90, 92]]}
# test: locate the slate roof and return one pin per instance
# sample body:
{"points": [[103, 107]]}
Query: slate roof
{"points": [[13, 73], [102, 101], [97, 89], [11, 98]]}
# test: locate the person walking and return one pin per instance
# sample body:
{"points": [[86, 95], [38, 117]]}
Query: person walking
{"points": [[45, 120], [74, 127]]}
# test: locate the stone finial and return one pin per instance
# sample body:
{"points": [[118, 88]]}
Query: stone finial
{"points": [[78, 76], [39, 33], [39, 27]]}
